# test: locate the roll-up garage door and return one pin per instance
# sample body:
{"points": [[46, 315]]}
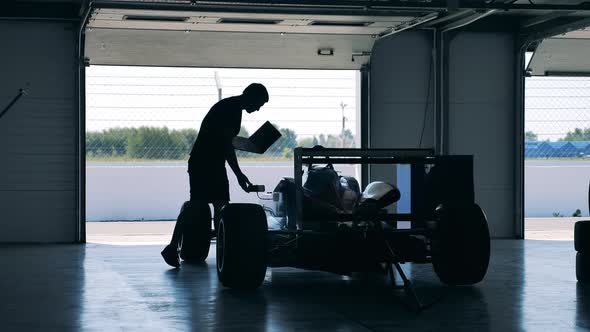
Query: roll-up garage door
{"points": [[565, 55], [196, 38]]}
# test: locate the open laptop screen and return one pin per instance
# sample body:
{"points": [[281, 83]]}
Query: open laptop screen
{"points": [[260, 141]]}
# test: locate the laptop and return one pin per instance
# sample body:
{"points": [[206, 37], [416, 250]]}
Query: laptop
{"points": [[258, 142]]}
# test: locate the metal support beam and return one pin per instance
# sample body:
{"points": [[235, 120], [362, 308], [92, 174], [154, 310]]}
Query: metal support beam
{"points": [[478, 15], [441, 93], [530, 23], [524, 7], [359, 5], [556, 30], [365, 95], [449, 17], [519, 105], [409, 25], [289, 6]]}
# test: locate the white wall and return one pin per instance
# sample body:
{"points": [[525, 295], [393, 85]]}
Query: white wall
{"points": [[132, 192], [38, 135], [482, 120], [556, 187], [157, 192]]}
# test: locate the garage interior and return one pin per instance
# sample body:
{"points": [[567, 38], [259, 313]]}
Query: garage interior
{"points": [[464, 60]]}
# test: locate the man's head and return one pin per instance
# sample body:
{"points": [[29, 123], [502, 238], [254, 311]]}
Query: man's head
{"points": [[253, 97]]}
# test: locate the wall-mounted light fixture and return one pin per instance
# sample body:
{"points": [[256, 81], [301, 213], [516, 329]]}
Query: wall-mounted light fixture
{"points": [[326, 51]]}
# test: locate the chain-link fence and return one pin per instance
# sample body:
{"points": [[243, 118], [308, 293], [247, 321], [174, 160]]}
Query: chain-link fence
{"points": [[557, 118], [139, 113], [148, 114]]}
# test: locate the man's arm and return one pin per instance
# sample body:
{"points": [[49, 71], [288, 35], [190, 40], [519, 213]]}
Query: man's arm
{"points": [[232, 160]]}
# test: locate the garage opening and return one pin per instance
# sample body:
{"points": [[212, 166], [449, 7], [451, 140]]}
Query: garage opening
{"points": [[311, 62], [141, 123], [557, 143]]}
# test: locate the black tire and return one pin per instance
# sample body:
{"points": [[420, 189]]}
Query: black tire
{"points": [[461, 244], [583, 266], [582, 236], [242, 246], [196, 237]]}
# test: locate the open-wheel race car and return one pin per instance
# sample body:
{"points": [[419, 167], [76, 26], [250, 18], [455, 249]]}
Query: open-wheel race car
{"points": [[324, 222]]}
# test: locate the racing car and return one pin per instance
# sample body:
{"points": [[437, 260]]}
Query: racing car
{"points": [[319, 220]]}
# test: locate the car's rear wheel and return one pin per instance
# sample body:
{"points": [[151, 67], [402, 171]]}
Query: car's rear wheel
{"points": [[196, 237], [242, 246], [461, 244]]}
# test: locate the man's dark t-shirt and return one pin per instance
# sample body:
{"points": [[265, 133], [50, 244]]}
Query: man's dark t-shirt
{"points": [[206, 165]]}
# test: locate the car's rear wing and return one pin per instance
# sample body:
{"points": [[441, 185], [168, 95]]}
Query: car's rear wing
{"points": [[456, 173]]}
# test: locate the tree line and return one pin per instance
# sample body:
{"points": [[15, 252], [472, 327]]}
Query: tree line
{"points": [[140, 143], [165, 144], [578, 134]]}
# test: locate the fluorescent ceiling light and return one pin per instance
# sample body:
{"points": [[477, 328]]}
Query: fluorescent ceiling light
{"points": [[341, 23], [155, 18], [237, 20]]}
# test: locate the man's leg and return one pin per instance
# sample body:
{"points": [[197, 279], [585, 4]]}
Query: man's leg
{"points": [[181, 221], [170, 253]]}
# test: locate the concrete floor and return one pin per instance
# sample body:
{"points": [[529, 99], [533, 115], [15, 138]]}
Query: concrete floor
{"points": [[530, 286], [129, 232]]}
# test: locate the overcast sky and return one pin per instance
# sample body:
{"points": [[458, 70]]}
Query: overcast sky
{"points": [[308, 101]]}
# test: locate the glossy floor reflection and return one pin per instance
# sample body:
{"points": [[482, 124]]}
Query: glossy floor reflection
{"points": [[530, 286]]}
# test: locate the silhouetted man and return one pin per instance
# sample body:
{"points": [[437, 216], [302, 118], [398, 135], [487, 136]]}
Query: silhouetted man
{"points": [[213, 147]]}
